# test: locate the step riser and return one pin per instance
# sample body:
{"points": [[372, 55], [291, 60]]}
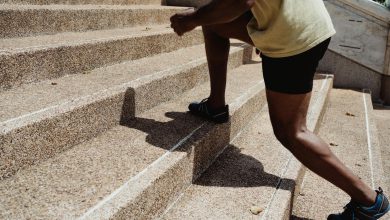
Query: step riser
{"points": [[41, 64], [81, 2], [20, 23], [163, 183], [210, 147], [38, 137], [147, 96]]}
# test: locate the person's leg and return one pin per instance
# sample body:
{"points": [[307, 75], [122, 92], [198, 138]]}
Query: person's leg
{"points": [[288, 116], [217, 51]]}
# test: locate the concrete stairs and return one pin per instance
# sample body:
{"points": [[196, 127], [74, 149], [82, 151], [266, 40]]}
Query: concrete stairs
{"points": [[94, 122]]}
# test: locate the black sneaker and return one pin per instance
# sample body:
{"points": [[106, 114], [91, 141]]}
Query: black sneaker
{"points": [[220, 115], [355, 211]]}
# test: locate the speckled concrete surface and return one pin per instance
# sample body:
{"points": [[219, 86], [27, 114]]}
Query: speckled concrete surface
{"points": [[32, 59], [41, 120], [29, 20], [69, 184], [350, 74], [80, 2], [245, 175], [344, 127]]}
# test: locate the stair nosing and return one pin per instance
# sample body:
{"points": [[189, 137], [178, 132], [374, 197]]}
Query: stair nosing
{"points": [[79, 38]]}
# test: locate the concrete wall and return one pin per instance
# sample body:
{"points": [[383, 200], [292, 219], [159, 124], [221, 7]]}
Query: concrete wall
{"points": [[359, 54], [360, 37], [351, 74]]}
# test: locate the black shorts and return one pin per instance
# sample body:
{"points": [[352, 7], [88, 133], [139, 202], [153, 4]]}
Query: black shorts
{"points": [[294, 74]]}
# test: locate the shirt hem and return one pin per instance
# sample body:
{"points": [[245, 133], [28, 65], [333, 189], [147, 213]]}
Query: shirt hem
{"points": [[302, 50]]}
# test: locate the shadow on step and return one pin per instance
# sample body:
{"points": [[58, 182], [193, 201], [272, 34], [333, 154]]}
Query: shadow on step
{"points": [[235, 169], [293, 217], [166, 131], [231, 169]]}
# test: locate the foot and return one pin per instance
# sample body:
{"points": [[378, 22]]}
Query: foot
{"points": [[220, 115], [355, 211]]}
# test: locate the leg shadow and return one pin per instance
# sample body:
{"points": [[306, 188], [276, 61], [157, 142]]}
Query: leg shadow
{"points": [[234, 169], [231, 169]]}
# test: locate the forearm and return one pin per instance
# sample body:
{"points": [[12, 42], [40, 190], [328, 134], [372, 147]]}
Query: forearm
{"points": [[220, 11]]}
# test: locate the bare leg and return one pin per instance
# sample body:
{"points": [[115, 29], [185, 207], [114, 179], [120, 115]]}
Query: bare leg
{"points": [[217, 50], [288, 116]]}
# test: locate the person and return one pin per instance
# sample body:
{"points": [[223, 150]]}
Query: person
{"points": [[292, 36]]}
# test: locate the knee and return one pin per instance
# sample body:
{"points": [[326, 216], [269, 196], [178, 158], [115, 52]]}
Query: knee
{"points": [[283, 135], [289, 136]]}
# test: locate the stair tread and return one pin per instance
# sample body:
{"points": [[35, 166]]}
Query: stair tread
{"points": [[15, 45], [72, 182], [245, 175], [33, 20], [344, 127], [33, 59], [36, 99]]}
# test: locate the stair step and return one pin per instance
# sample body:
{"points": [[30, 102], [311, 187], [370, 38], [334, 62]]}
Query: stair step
{"points": [[81, 2], [134, 170], [32, 59], [254, 170], [40, 120], [349, 126], [29, 20]]}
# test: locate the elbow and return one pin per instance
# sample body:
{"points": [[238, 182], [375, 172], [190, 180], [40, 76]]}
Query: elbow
{"points": [[249, 3], [244, 5]]}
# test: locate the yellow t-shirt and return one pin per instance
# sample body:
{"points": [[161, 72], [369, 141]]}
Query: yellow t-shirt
{"points": [[282, 28]]}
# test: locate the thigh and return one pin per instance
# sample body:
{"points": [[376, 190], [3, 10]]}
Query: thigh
{"points": [[235, 29], [288, 111]]}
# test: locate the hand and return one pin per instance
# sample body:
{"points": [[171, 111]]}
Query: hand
{"points": [[183, 22]]}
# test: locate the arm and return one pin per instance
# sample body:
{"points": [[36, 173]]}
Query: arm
{"points": [[217, 11]]}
